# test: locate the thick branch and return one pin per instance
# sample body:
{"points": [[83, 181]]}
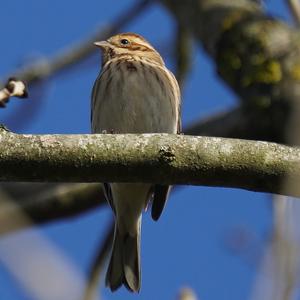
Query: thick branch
{"points": [[68, 200], [163, 158], [256, 55]]}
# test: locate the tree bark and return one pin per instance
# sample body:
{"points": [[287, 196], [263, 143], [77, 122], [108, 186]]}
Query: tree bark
{"points": [[151, 158], [255, 54]]}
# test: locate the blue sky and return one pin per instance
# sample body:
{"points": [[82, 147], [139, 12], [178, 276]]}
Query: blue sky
{"points": [[189, 244]]}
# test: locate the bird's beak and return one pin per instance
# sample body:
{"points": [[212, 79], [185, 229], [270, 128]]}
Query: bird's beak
{"points": [[102, 44]]}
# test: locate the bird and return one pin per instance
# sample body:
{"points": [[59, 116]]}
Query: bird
{"points": [[134, 93]]}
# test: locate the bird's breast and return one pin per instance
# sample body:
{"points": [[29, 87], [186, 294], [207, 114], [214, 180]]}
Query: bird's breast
{"points": [[134, 97]]}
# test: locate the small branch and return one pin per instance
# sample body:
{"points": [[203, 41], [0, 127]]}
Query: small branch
{"points": [[37, 265], [183, 53], [163, 158], [76, 53], [294, 6], [239, 122], [13, 88], [60, 202], [99, 263], [284, 248]]}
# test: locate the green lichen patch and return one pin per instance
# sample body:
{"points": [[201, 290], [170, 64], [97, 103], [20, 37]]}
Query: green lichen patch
{"points": [[233, 18], [243, 59], [294, 71], [268, 72]]}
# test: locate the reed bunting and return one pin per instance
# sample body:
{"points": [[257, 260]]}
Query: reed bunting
{"points": [[134, 93]]}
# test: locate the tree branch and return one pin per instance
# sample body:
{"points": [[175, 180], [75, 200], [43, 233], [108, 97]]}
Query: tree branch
{"points": [[47, 202], [76, 53], [13, 88], [256, 55], [163, 158], [98, 263], [60, 202], [242, 122], [294, 7]]}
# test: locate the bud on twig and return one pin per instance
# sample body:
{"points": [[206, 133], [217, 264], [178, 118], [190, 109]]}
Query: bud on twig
{"points": [[13, 88]]}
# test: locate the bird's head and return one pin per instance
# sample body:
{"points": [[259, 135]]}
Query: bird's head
{"points": [[128, 44]]}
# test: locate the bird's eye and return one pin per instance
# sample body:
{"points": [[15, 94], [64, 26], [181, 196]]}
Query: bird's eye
{"points": [[124, 42]]}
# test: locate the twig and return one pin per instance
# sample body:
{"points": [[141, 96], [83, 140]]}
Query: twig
{"points": [[63, 201], [13, 88], [68, 57], [285, 248], [98, 263], [183, 53], [37, 264], [294, 6], [278, 276], [40, 70]]}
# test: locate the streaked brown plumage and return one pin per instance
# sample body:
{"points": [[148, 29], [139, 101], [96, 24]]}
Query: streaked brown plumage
{"points": [[134, 93]]}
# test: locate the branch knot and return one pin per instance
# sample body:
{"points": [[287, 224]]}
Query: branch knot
{"points": [[166, 154]]}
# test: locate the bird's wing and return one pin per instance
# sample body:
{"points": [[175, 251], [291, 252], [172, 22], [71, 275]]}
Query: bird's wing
{"points": [[160, 196], [179, 125], [108, 195], [94, 93], [161, 192]]}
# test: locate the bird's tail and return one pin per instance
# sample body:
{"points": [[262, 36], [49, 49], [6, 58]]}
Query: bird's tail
{"points": [[124, 266]]}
